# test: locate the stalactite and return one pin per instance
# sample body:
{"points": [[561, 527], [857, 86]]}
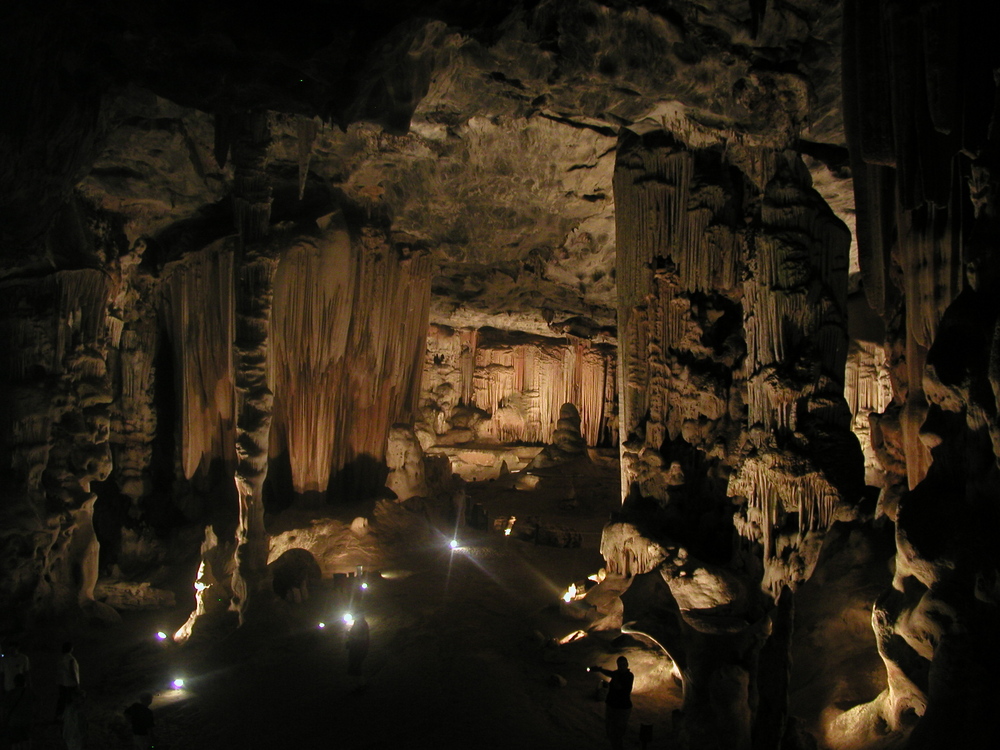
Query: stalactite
{"points": [[932, 68], [674, 238], [777, 483], [313, 305], [868, 390], [382, 382], [469, 344], [903, 98], [134, 415], [306, 128], [522, 384], [251, 185], [681, 235], [345, 372], [198, 306]]}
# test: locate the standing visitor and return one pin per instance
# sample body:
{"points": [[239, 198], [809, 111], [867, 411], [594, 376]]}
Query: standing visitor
{"points": [[69, 678], [19, 714], [72, 721], [618, 704], [358, 640], [140, 717]]}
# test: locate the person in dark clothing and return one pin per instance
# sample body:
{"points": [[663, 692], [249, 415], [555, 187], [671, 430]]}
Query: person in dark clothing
{"points": [[358, 639], [140, 716], [19, 714], [618, 704]]}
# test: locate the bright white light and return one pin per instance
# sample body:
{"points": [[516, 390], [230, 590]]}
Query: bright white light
{"points": [[364, 586], [177, 684], [349, 619], [506, 532], [321, 625], [199, 586], [161, 636], [453, 543], [570, 594]]}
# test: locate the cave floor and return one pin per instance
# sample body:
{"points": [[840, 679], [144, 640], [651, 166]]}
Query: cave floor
{"points": [[464, 646], [462, 655]]}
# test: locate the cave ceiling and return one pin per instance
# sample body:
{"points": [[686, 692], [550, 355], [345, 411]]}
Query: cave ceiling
{"points": [[482, 133]]}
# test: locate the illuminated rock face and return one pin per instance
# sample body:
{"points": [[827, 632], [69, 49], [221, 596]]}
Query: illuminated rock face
{"points": [[218, 272], [58, 420], [499, 387], [732, 334], [927, 232]]}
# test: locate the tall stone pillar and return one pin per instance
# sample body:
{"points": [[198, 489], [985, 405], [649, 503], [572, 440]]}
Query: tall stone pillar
{"points": [[253, 293], [732, 340]]}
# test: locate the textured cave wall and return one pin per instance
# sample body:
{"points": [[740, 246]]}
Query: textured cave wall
{"points": [[921, 108], [484, 135], [57, 425], [501, 387], [732, 275]]}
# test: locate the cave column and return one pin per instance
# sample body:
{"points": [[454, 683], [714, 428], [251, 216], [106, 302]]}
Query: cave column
{"points": [[732, 279], [253, 292], [678, 224]]}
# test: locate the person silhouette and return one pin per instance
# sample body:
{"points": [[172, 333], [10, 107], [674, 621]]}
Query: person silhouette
{"points": [[19, 714], [69, 678], [358, 640], [618, 704], [140, 717]]}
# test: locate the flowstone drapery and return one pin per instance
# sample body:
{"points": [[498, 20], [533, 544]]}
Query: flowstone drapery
{"points": [[494, 386], [732, 305]]}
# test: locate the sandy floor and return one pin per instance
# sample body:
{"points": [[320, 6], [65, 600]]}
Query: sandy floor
{"points": [[462, 654]]}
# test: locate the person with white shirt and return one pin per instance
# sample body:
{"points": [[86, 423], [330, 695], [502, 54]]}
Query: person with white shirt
{"points": [[69, 678]]}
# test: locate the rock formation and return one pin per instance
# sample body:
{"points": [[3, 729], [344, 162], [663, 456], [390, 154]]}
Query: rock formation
{"points": [[495, 387], [235, 251]]}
